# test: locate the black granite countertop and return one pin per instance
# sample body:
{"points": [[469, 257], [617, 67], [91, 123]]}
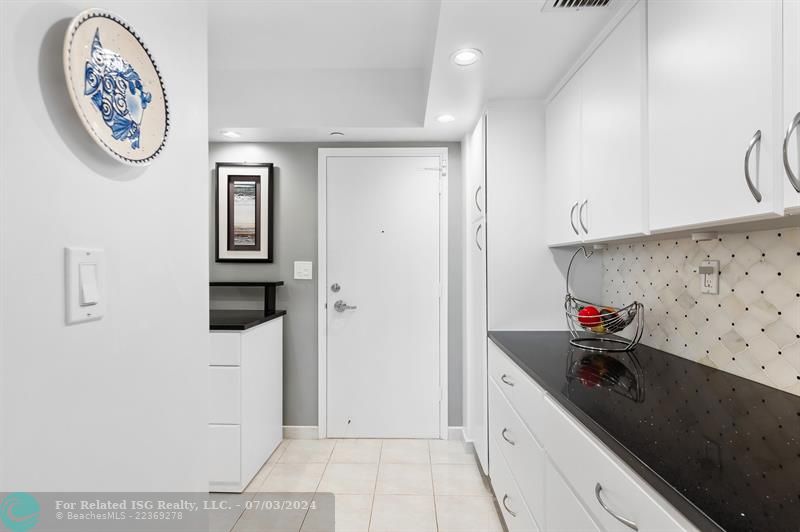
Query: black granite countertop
{"points": [[240, 320], [725, 451]]}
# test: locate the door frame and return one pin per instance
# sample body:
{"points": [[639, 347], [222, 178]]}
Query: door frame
{"points": [[322, 281]]}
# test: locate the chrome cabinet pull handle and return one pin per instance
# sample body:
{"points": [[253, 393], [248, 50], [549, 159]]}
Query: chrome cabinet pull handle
{"points": [[477, 203], [504, 378], [503, 434], [793, 179], [477, 241], [572, 217], [753, 190], [509, 510], [627, 522], [580, 216]]}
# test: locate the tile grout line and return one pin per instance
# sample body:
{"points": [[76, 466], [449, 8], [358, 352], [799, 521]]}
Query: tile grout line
{"points": [[319, 482], [375, 488], [433, 488]]}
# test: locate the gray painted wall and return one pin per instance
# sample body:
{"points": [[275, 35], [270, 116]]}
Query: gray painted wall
{"points": [[295, 238]]}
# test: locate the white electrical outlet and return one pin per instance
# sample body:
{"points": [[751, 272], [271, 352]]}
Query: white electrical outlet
{"points": [[709, 277]]}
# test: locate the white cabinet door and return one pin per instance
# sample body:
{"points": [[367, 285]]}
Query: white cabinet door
{"points": [[224, 458], [712, 80], [563, 511], [791, 104], [224, 395], [475, 170], [563, 164], [476, 371], [613, 134]]}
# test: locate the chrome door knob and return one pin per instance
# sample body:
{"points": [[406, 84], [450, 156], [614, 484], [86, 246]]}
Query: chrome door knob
{"points": [[341, 306]]}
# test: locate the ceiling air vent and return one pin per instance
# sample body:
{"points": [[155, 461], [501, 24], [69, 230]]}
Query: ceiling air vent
{"points": [[556, 5]]}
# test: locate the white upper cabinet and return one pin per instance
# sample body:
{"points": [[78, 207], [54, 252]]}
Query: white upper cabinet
{"points": [[613, 137], [790, 152], [714, 71], [595, 142], [563, 164]]}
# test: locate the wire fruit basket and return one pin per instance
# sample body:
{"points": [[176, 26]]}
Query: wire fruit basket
{"points": [[594, 326]]}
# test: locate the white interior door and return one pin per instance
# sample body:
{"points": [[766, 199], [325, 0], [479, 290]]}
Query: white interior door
{"points": [[383, 296]]}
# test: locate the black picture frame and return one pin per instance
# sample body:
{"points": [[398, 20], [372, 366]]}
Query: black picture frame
{"points": [[264, 181]]}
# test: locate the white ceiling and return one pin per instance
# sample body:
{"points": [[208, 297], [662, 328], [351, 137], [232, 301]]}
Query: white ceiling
{"points": [[380, 70]]}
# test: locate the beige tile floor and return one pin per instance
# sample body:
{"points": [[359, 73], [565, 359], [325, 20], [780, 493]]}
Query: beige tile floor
{"points": [[380, 486]]}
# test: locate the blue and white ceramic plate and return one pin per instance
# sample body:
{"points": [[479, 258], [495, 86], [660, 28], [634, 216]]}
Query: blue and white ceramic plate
{"points": [[116, 87]]}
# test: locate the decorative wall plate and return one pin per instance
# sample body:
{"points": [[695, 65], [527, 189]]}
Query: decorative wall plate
{"points": [[116, 87]]}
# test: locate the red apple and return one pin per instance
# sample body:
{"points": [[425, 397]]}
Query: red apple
{"points": [[589, 317]]}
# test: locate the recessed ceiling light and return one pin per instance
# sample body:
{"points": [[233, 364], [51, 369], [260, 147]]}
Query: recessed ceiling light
{"points": [[336, 134], [466, 56], [444, 119], [231, 134]]}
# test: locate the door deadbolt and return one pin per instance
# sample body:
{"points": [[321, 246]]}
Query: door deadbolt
{"points": [[335, 287]]}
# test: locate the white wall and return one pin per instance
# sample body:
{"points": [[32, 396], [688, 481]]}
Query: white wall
{"points": [[526, 280], [117, 404]]}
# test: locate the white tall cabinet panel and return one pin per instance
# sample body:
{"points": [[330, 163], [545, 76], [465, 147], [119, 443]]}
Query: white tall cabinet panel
{"points": [[475, 373], [563, 164], [613, 136], [791, 104], [712, 81]]}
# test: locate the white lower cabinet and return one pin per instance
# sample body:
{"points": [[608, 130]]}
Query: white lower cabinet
{"points": [[515, 512], [598, 477], [524, 456], [245, 403], [564, 512], [543, 461]]}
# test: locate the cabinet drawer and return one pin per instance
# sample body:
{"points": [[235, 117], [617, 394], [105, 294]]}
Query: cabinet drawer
{"points": [[585, 465], [224, 394], [224, 457], [512, 505], [225, 349], [525, 396], [565, 513], [523, 454]]}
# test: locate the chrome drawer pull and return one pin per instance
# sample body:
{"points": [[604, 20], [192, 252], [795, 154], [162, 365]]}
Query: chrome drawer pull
{"points": [[627, 522], [753, 190], [511, 512], [793, 179], [477, 192], [503, 434], [477, 234], [504, 378]]}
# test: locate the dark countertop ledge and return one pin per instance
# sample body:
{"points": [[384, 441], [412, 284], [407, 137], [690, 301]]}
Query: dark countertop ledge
{"points": [[240, 320], [723, 450]]}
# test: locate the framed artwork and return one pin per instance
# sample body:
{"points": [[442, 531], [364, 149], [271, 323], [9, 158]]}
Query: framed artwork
{"points": [[244, 212], [116, 87]]}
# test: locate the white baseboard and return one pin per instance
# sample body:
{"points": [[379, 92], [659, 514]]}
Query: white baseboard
{"points": [[311, 432], [299, 432], [456, 433]]}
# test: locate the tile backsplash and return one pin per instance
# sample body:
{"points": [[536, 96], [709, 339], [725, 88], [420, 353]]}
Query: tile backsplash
{"points": [[751, 328]]}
